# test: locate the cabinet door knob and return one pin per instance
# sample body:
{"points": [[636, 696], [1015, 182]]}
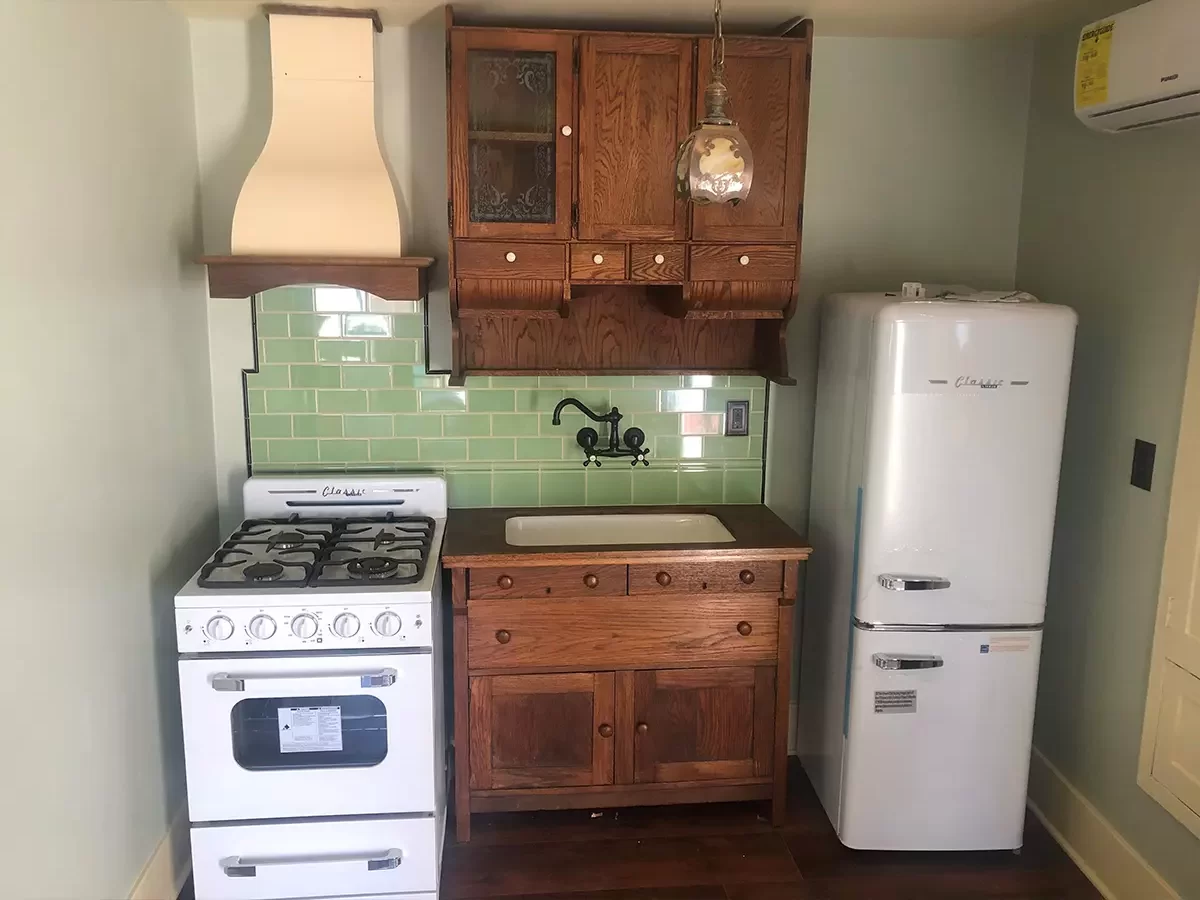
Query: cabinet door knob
{"points": [[512, 257], [744, 260], [590, 580], [597, 258], [605, 731], [659, 259], [504, 637], [744, 628], [642, 727], [566, 130], [746, 576], [663, 578], [505, 582]]}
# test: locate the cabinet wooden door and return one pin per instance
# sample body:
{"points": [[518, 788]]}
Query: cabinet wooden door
{"points": [[768, 90], [512, 102], [635, 109], [533, 731], [698, 724]]}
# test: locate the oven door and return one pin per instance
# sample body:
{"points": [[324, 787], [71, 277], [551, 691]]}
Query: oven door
{"points": [[306, 735]]}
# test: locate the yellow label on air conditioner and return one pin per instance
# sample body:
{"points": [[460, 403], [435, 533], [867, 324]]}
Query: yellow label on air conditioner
{"points": [[1091, 69]]}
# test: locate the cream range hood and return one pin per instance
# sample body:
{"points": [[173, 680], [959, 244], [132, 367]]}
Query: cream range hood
{"points": [[319, 204]]}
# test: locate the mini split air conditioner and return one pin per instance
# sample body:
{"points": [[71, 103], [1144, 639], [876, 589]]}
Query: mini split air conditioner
{"points": [[1140, 68]]}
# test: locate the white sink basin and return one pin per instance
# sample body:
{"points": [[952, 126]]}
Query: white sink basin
{"points": [[617, 528]]}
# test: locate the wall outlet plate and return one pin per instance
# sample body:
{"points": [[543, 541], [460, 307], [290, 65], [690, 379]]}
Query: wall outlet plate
{"points": [[737, 418]]}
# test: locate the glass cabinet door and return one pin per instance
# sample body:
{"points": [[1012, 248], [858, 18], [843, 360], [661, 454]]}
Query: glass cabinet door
{"points": [[511, 109]]}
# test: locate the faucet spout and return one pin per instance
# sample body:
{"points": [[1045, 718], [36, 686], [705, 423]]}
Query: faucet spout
{"points": [[556, 419]]}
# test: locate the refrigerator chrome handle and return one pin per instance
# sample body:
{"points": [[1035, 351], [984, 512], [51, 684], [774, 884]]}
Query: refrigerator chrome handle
{"points": [[913, 582], [891, 662], [241, 867]]}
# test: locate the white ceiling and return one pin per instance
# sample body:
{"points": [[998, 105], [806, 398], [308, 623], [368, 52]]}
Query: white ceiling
{"points": [[907, 18]]}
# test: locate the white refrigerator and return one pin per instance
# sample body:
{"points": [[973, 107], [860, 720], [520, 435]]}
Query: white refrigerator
{"points": [[938, 440]]}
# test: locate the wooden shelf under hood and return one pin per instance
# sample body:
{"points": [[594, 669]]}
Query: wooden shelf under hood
{"points": [[398, 278]]}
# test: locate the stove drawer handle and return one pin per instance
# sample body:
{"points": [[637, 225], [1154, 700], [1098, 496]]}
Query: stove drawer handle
{"points": [[241, 867], [381, 678], [913, 582]]}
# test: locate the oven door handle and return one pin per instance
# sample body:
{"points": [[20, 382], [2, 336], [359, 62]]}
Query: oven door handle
{"points": [[376, 678], [247, 867]]}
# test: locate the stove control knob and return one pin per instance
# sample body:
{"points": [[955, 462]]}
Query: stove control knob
{"points": [[219, 628], [261, 627], [304, 626], [346, 625], [387, 624]]}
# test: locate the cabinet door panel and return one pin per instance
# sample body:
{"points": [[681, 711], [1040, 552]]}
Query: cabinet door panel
{"points": [[511, 95], [696, 724], [768, 91], [635, 109], [541, 730]]}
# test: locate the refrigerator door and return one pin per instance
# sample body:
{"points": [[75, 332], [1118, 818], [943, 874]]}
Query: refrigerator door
{"points": [[938, 738], [964, 440]]}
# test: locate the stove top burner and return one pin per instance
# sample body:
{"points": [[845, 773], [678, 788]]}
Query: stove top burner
{"points": [[263, 571], [295, 552], [370, 568]]}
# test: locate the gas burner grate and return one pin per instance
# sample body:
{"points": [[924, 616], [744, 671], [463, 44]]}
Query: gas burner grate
{"points": [[296, 552]]}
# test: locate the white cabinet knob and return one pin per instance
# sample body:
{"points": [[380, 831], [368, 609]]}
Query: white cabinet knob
{"points": [[566, 130], [510, 256], [744, 260], [659, 259], [598, 258]]}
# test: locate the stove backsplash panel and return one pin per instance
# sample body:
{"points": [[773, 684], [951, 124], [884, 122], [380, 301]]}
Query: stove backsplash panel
{"points": [[341, 385]]}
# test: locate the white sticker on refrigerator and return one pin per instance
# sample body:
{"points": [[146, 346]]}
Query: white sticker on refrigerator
{"points": [[895, 701], [310, 729]]}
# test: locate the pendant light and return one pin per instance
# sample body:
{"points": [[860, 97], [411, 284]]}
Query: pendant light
{"points": [[714, 163]]}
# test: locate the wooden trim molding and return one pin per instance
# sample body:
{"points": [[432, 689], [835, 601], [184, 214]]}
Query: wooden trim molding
{"points": [[238, 277], [340, 12]]}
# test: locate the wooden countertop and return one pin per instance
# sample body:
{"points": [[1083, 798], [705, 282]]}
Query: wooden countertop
{"points": [[475, 537]]}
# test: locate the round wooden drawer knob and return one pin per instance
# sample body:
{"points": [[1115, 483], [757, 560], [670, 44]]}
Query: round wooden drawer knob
{"points": [[504, 637], [605, 731], [597, 258], [642, 727], [505, 582], [590, 580], [746, 576], [663, 578], [744, 628], [512, 257], [744, 260], [566, 130], [659, 259]]}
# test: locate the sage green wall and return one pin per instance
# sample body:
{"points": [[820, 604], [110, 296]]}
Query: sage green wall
{"points": [[1110, 225], [341, 385]]}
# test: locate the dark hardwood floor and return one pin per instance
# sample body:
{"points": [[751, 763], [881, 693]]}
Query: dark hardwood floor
{"points": [[730, 852]]}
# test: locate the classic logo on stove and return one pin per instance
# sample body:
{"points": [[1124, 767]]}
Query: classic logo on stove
{"points": [[332, 491], [986, 383]]}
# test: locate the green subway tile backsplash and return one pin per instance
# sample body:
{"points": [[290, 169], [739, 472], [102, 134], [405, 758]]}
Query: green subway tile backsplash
{"points": [[342, 386]]}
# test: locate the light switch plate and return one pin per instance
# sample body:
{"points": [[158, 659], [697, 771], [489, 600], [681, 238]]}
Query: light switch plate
{"points": [[737, 418], [1141, 473]]}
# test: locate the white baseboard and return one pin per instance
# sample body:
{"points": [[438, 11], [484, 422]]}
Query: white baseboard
{"points": [[1116, 869], [169, 865]]}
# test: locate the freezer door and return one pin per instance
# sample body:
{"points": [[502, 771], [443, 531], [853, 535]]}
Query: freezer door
{"points": [[964, 439], [938, 738]]}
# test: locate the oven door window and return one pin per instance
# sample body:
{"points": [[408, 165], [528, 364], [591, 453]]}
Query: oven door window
{"points": [[309, 732]]}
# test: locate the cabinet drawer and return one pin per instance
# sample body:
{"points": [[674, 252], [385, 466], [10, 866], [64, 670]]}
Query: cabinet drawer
{"points": [[597, 262], [656, 262], [623, 632], [706, 578], [551, 581], [743, 262], [509, 259]]}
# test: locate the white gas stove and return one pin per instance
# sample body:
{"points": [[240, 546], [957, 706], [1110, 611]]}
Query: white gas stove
{"points": [[311, 686]]}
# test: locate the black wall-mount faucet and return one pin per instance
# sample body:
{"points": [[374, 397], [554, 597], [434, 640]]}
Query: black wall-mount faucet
{"points": [[588, 437]]}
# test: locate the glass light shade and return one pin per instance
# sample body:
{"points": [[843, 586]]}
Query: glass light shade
{"points": [[714, 165]]}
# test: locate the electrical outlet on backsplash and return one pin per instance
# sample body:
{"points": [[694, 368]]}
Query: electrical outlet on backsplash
{"points": [[341, 385]]}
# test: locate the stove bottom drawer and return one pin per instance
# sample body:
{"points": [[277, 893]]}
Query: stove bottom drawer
{"points": [[331, 858]]}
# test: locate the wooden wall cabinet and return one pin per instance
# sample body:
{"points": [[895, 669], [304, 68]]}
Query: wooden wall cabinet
{"points": [[571, 253]]}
